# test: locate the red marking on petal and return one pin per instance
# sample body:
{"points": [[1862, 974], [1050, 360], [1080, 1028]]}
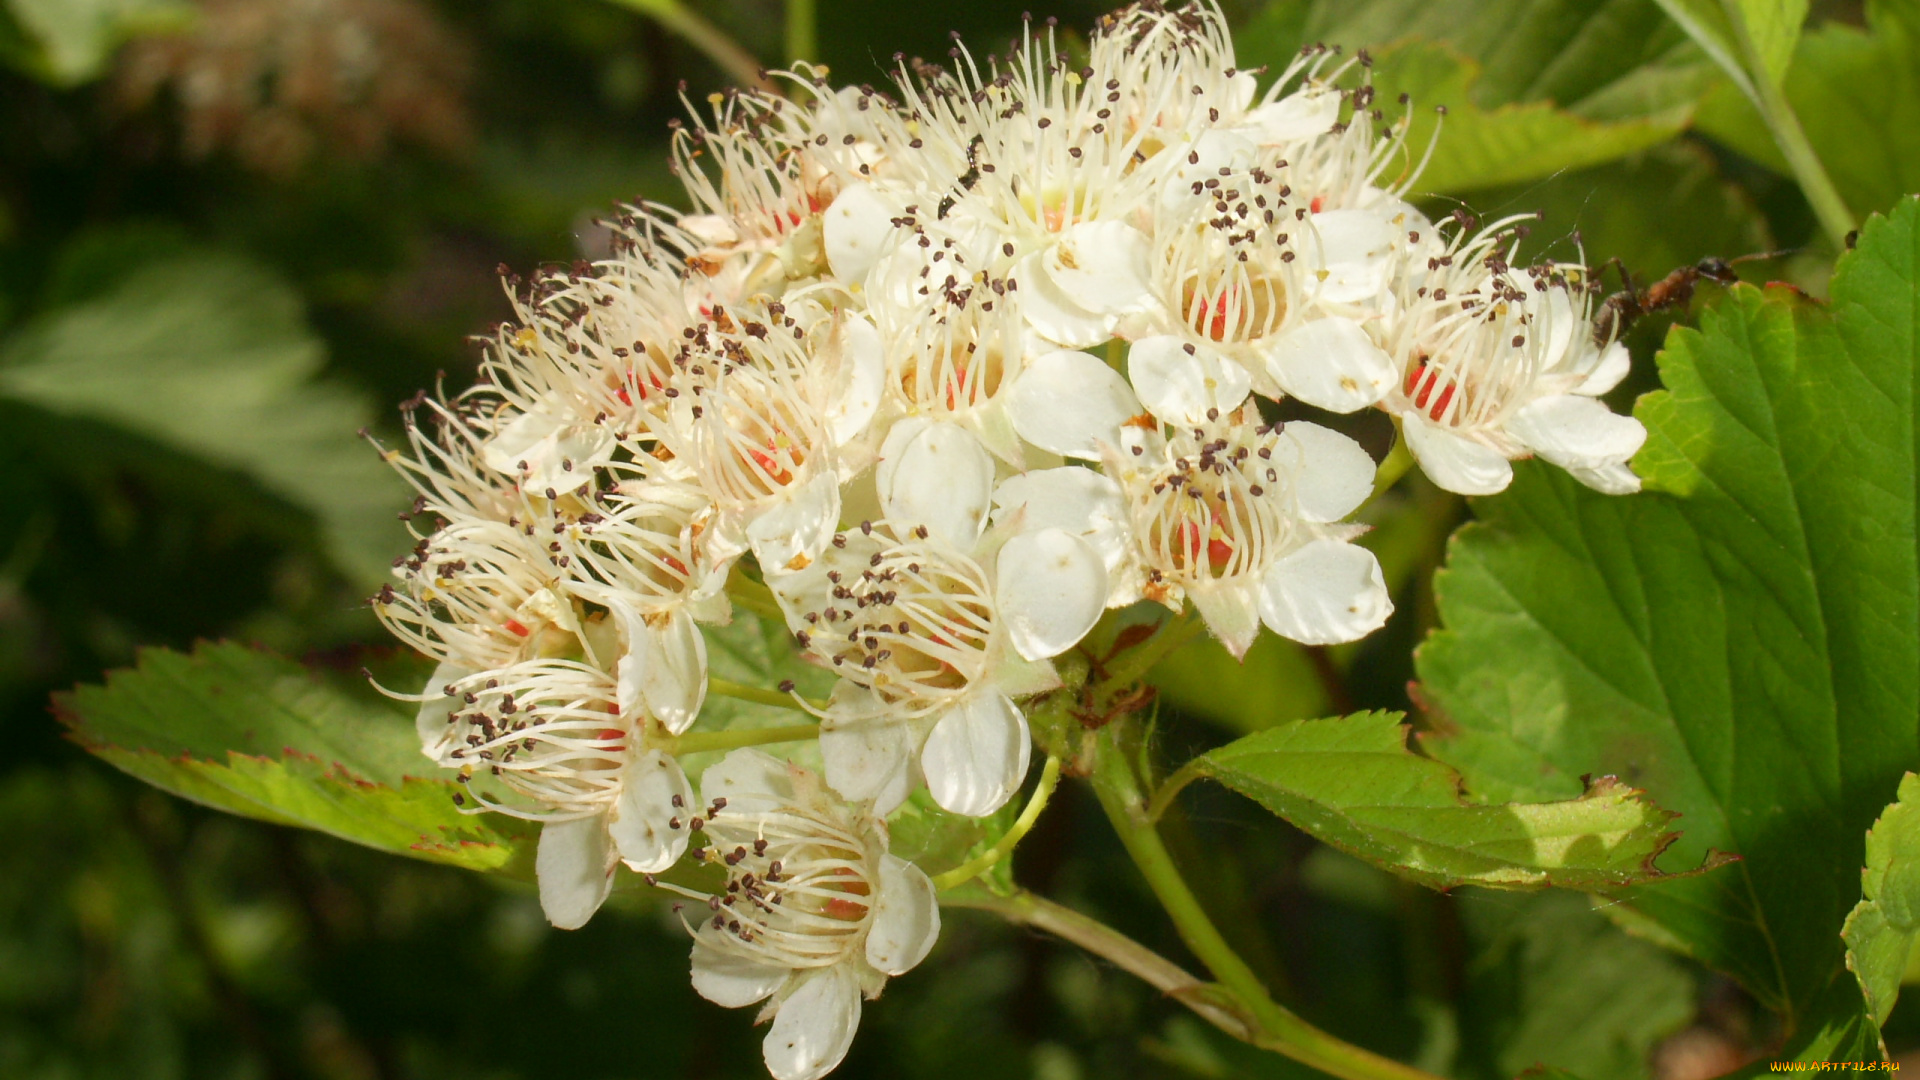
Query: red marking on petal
{"points": [[518, 628]]}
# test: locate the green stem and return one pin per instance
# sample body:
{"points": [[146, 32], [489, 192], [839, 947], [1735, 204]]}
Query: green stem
{"points": [[1276, 1028], [1812, 176], [759, 694], [1163, 794], [1025, 909], [703, 35], [695, 742], [1398, 461], [803, 41], [1134, 664], [973, 868]]}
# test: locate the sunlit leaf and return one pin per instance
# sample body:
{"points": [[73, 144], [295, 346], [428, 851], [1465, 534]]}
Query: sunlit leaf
{"points": [[257, 735], [1352, 782], [1736, 33], [1743, 642], [1881, 931]]}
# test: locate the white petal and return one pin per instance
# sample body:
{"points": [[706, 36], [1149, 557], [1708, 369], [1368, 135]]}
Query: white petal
{"points": [[1201, 159], [1051, 587], [1331, 363], [631, 669], [1070, 403], [814, 1027], [940, 477], [638, 825], [855, 230], [1303, 114], [1336, 474], [752, 781], [1325, 593], [574, 864], [906, 917], [1228, 609], [430, 723], [673, 681], [1180, 383], [1078, 500], [791, 533], [1554, 318], [977, 755], [1608, 479], [1457, 464], [1356, 254], [584, 447], [556, 453], [1615, 361], [512, 443], [859, 371], [1576, 432], [1052, 314], [1102, 266], [733, 981], [868, 757]]}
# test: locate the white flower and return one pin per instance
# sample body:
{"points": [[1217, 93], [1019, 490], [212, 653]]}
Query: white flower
{"points": [[1239, 518], [479, 594], [1236, 515], [759, 184], [765, 400], [1498, 363], [1259, 291], [931, 651], [552, 734], [815, 915], [953, 332]]}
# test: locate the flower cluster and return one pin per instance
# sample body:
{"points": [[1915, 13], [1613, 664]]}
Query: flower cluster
{"points": [[949, 373]]}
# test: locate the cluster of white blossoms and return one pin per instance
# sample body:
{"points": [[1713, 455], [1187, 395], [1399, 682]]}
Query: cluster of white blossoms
{"points": [[950, 372]]}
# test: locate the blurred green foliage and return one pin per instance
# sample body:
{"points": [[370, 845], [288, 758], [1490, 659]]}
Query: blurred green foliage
{"points": [[198, 308]]}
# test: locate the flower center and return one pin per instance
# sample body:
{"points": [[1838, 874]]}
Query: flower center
{"points": [[1234, 308], [1213, 510], [905, 617], [799, 888], [544, 730]]}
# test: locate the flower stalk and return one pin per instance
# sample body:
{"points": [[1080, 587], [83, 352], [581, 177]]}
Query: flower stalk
{"points": [[1791, 138], [1273, 1027], [697, 742], [726, 53], [986, 860]]}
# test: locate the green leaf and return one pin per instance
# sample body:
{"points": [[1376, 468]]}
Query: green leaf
{"points": [[1747, 38], [1858, 96], [1351, 782], [1480, 147], [1837, 1027], [71, 41], [1529, 89], [258, 735], [1743, 641], [211, 354], [1666, 208], [1570, 52], [1881, 932], [1552, 984]]}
